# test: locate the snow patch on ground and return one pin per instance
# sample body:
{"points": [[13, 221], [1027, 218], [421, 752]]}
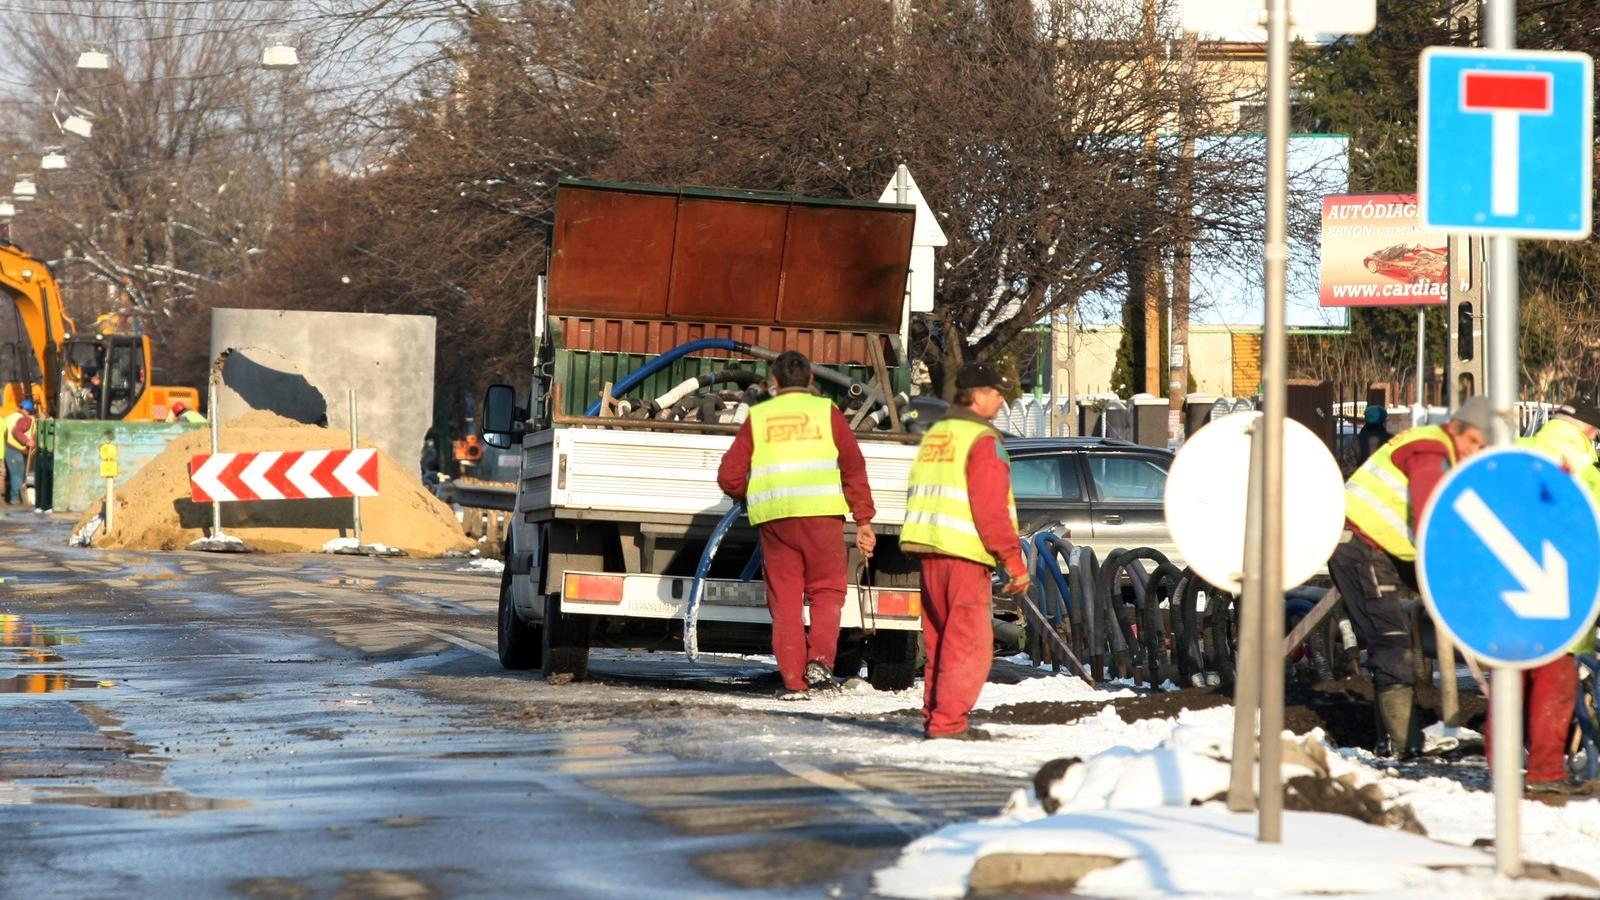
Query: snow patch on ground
{"points": [[483, 567]]}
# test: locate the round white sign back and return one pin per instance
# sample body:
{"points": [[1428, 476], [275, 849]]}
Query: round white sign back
{"points": [[1207, 490]]}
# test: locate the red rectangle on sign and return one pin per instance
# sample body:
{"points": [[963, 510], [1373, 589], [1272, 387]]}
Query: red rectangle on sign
{"points": [[1490, 91]]}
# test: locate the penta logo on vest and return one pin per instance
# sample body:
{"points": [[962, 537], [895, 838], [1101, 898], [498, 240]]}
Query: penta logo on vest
{"points": [[936, 448], [792, 427]]}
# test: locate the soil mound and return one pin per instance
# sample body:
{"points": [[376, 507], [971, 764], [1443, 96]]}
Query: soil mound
{"points": [[154, 511]]}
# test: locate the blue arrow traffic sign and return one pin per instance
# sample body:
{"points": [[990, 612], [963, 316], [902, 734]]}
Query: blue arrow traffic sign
{"points": [[1504, 141], [1508, 557]]}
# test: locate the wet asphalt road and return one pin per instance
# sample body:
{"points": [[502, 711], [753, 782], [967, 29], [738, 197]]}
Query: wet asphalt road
{"points": [[192, 725]]}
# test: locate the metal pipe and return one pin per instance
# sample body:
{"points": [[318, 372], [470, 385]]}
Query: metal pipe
{"points": [[1274, 352], [355, 444], [1422, 352], [216, 443], [1247, 661], [1506, 684]]}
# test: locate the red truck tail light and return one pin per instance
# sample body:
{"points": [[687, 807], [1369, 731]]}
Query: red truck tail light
{"points": [[592, 588], [899, 603]]}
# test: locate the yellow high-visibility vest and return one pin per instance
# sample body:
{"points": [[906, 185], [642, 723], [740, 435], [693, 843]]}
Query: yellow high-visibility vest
{"points": [[1568, 444], [1377, 498], [938, 508], [794, 469], [11, 426]]}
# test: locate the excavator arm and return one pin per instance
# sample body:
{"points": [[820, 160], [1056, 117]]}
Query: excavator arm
{"points": [[37, 298]]}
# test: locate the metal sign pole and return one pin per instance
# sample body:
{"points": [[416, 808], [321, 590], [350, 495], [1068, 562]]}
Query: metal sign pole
{"points": [[355, 502], [1274, 397], [1505, 686], [1422, 354], [1247, 677], [216, 443]]}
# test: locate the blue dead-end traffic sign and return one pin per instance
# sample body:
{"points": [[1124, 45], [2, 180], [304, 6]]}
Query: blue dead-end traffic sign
{"points": [[1504, 141], [1508, 556]]}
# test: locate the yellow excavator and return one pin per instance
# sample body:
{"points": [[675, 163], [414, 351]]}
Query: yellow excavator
{"points": [[102, 375]]}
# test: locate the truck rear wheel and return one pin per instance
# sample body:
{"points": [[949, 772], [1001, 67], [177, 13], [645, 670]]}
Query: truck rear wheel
{"points": [[519, 643], [565, 643], [892, 659]]}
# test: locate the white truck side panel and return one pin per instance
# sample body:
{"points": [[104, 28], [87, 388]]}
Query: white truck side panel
{"points": [[639, 472]]}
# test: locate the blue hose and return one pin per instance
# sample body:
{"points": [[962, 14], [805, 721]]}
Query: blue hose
{"points": [[753, 566], [691, 613], [637, 376], [1049, 564]]}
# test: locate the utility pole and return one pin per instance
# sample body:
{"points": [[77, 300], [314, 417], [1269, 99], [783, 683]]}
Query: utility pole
{"points": [[1150, 261], [1182, 263]]}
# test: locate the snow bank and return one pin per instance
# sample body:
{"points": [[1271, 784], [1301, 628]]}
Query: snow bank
{"points": [[1198, 849], [1141, 817]]}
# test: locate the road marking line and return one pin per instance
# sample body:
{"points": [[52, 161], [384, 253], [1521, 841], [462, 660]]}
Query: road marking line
{"points": [[461, 642], [908, 822]]}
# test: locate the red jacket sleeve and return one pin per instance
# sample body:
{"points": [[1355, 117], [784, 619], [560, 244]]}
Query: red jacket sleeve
{"points": [[733, 475], [988, 486], [1425, 464], [852, 471]]}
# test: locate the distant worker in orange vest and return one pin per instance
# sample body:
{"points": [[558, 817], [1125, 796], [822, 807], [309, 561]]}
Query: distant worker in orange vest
{"points": [[796, 466], [961, 519]]}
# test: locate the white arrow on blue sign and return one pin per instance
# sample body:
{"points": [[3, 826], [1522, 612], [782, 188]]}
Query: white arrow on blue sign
{"points": [[1508, 557], [1505, 141]]}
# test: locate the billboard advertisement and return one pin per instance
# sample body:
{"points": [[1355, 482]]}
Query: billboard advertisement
{"points": [[1375, 252]]}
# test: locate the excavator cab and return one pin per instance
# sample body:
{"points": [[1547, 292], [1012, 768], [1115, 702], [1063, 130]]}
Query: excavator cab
{"points": [[103, 377]]}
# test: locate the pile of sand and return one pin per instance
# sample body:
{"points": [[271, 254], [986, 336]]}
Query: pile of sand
{"points": [[154, 511]]}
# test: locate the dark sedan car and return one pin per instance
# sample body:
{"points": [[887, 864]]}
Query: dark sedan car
{"points": [[1108, 492]]}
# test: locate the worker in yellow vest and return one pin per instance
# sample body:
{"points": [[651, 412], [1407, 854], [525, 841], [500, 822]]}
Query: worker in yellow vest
{"points": [[180, 412], [21, 429], [796, 466], [1375, 560], [961, 521], [1551, 690]]}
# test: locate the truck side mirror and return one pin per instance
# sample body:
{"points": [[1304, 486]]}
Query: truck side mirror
{"points": [[502, 421]]}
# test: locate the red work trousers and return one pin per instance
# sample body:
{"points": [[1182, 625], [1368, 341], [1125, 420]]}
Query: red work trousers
{"points": [[958, 635], [804, 558], [1549, 696]]}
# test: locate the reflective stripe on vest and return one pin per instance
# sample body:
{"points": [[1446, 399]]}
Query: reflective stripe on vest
{"points": [[1377, 497], [794, 469], [938, 508]]}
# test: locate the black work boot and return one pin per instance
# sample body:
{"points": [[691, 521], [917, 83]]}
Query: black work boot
{"points": [[820, 678], [1399, 726]]}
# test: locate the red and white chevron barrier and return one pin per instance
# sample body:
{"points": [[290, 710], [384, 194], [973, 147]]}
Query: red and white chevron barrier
{"points": [[283, 475]]}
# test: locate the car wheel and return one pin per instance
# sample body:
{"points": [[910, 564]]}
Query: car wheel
{"points": [[519, 643], [892, 658], [566, 643]]}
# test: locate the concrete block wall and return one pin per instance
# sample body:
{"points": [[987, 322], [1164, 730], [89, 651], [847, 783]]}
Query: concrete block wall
{"points": [[301, 364]]}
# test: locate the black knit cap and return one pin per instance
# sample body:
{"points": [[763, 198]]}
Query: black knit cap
{"points": [[1583, 409], [978, 375]]}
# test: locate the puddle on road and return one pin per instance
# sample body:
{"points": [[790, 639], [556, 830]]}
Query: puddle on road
{"points": [[47, 683], [16, 632], [351, 581], [167, 803]]}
